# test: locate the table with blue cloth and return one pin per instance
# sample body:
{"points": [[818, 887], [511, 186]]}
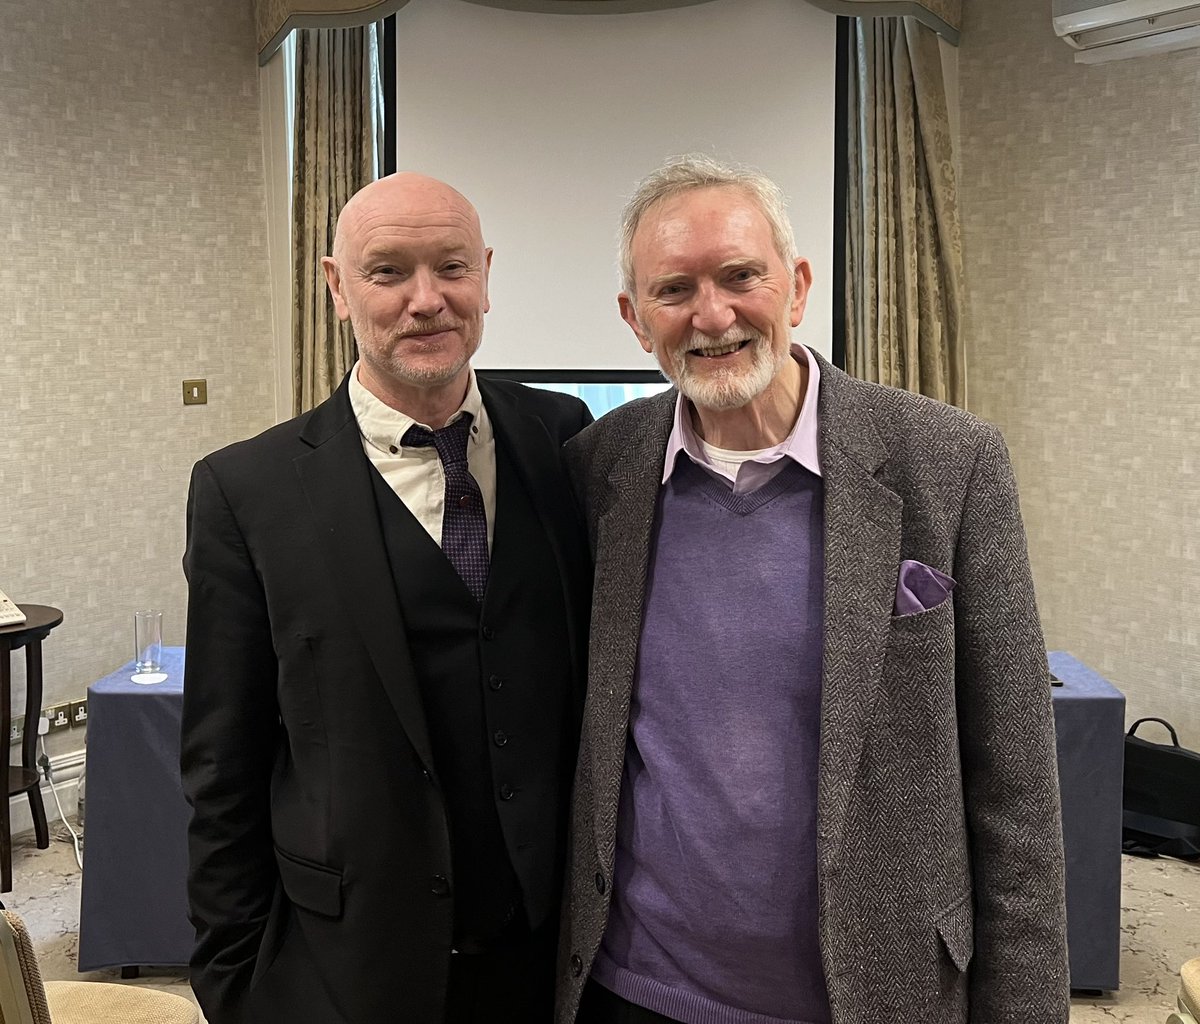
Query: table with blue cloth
{"points": [[1089, 720], [133, 910], [134, 903]]}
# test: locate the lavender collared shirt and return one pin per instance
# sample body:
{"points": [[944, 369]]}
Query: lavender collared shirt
{"points": [[799, 446]]}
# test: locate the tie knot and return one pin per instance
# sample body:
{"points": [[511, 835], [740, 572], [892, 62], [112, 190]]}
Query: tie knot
{"points": [[450, 441]]}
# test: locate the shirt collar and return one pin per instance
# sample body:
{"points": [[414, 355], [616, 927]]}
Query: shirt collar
{"points": [[382, 426], [799, 446]]}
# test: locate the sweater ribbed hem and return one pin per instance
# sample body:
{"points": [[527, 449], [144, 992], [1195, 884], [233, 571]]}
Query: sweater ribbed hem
{"points": [[678, 1003]]}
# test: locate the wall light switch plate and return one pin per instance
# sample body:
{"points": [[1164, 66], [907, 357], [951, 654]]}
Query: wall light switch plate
{"points": [[195, 392]]}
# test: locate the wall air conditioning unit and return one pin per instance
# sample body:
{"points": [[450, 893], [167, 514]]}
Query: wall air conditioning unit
{"points": [[1102, 31]]}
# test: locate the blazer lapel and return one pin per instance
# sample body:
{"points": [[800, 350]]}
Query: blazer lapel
{"points": [[862, 556], [538, 461], [335, 478], [624, 532]]}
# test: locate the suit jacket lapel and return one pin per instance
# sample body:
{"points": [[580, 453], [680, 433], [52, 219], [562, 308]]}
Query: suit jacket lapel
{"points": [[624, 532], [862, 557], [335, 478], [538, 461]]}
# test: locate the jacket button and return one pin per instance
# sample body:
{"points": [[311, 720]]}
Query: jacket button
{"points": [[439, 885], [500, 738], [576, 965], [495, 682], [506, 791], [489, 633], [600, 886]]}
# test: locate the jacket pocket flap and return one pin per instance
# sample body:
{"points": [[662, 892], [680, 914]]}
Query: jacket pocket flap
{"points": [[956, 926], [312, 886]]}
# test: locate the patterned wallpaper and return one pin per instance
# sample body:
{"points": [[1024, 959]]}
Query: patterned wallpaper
{"points": [[1081, 207], [132, 219]]}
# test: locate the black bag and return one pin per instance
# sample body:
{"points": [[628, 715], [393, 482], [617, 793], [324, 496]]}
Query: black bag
{"points": [[1161, 797]]}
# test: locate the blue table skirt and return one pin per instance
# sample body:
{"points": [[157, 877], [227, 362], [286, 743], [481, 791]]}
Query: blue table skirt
{"points": [[1089, 719], [133, 908]]}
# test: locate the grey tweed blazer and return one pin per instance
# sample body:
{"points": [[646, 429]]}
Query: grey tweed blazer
{"points": [[938, 839]]}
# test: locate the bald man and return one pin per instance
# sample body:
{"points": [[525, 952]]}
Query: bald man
{"points": [[386, 630]]}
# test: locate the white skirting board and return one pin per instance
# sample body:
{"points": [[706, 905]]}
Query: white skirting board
{"points": [[65, 770]]}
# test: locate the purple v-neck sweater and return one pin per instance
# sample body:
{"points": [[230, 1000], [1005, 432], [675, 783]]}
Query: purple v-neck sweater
{"points": [[714, 911]]}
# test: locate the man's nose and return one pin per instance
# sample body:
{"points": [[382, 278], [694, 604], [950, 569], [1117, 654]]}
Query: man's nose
{"points": [[712, 314], [425, 299]]}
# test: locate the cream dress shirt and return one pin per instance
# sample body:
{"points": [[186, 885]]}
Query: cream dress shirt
{"points": [[416, 474]]}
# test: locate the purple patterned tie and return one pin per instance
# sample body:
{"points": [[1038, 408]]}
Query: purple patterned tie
{"points": [[464, 520]]}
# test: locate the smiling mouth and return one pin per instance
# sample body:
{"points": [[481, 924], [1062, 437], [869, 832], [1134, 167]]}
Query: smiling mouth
{"points": [[714, 351], [428, 332]]}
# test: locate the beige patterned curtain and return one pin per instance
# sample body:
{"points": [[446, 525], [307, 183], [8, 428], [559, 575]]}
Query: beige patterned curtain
{"points": [[338, 150], [903, 244]]}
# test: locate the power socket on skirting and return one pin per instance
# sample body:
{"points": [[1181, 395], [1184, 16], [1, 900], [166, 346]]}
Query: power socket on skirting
{"points": [[43, 725]]}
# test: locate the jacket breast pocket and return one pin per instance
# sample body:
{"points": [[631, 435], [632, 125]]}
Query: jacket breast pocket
{"points": [[932, 621], [310, 885], [922, 642], [919, 677]]}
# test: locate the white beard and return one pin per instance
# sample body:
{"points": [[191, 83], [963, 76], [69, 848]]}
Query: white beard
{"points": [[719, 387]]}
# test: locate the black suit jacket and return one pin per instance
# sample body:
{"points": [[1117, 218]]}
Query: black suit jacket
{"points": [[318, 828]]}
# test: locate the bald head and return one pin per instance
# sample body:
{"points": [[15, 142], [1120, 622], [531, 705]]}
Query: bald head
{"points": [[409, 270], [401, 194]]}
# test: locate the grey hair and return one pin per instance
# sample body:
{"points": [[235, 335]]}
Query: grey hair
{"points": [[694, 171]]}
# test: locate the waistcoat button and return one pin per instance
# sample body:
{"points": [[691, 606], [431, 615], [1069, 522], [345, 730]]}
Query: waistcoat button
{"points": [[600, 884], [500, 737], [506, 791]]}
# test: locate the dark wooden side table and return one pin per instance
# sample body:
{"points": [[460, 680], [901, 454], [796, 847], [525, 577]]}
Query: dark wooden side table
{"points": [[23, 778]]}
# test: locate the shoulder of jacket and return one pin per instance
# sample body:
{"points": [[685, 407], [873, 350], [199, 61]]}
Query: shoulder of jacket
{"points": [[904, 418], [250, 459], [611, 433]]}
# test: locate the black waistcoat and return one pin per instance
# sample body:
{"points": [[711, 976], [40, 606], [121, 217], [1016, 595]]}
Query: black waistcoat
{"points": [[495, 685]]}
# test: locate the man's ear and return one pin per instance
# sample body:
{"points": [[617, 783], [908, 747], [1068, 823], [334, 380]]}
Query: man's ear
{"points": [[629, 315], [487, 269], [333, 278], [802, 282]]}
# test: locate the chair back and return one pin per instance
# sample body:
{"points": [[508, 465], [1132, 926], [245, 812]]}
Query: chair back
{"points": [[1189, 987], [22, 996]]}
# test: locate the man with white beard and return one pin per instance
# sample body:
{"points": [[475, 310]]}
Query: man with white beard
{"points": [[817, 778]]}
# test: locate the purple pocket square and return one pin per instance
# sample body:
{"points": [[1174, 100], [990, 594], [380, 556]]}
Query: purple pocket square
{"points": [[920, 588]]}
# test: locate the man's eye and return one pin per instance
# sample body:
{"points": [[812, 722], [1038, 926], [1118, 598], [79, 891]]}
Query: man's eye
{"points": [[670, 291], [454, 268], [385, 271], [743, 275]]}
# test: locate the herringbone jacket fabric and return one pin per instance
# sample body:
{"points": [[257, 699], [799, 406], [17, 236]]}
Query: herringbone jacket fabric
{"points": [[938, 840]]}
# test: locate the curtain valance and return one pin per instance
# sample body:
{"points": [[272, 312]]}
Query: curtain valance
{"points": [[276, 18], [943, 16]]}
